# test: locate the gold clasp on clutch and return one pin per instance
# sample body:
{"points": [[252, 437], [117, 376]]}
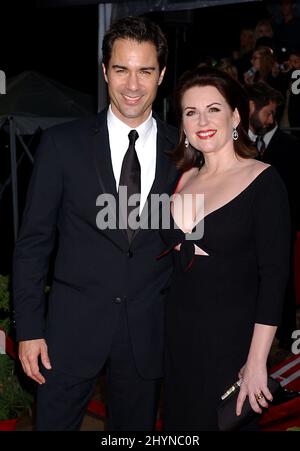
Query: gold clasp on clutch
{"points": [[231, 389]]}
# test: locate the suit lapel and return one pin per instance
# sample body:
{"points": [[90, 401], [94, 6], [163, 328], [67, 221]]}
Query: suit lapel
{"points": [[272, 148], [101, 155], [163, 167], [99, 142], [163, 163]]}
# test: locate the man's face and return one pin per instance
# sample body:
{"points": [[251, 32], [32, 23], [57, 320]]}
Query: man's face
{"points": [[133, 77], [247, 38], [294, 61], [264, 31], [263, 120]]}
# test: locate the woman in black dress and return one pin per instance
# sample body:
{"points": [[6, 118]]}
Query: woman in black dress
{"points": [[226, 291]]}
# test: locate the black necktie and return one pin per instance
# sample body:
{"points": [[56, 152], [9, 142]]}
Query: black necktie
{"points": [[260, 145], [131, 176]]}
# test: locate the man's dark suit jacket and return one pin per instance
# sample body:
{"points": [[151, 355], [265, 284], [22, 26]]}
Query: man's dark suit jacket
{"points": [[283, 152], [96, 271]]}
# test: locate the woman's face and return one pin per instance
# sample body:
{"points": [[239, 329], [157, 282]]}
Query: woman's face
{"points": [[207, 119]]}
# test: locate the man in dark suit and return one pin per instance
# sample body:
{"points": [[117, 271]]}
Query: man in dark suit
{"points": [[282, 151], [106, 301]]}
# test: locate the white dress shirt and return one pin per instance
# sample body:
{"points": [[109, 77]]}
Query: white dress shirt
{"points": [[145, 147], [267, 137]]}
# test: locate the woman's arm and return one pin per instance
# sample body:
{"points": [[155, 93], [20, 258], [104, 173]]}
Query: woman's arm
{"points": [[254, 373], [271, 231]]}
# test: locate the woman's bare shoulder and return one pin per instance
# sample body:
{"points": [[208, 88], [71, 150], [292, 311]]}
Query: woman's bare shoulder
{"points": [[186, 178], [255, 167]]}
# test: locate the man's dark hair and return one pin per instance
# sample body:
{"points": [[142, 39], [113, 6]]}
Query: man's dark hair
{"points": [[138, 29], [262, 94]]}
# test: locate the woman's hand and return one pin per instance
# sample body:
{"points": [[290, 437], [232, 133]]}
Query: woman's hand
{"points": [[254, 385], [241, 372]]}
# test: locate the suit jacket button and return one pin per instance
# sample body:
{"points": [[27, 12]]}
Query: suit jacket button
{"points": [[118, 300]]}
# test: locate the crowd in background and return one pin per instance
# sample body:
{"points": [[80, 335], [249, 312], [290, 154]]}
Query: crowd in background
{"points": [[270, 53]]}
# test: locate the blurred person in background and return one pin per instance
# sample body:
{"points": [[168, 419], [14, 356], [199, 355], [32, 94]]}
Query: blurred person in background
{"points": [[246, 43], [264, 68], [242, 56], [226, 66], [263, 29], [287, 32]]}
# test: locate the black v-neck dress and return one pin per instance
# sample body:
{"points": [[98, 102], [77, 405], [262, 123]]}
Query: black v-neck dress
{"points": [[215, 300]]}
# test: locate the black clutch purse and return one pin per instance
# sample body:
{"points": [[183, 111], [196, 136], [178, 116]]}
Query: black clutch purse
{"points": [[227, 418]]}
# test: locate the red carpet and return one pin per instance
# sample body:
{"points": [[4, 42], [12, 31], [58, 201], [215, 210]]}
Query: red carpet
{"points": [[276, 418], [287, 414]]}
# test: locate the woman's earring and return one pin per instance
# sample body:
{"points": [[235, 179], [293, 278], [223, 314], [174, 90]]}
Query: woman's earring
{"points": [[235, 134], [186, 143]]}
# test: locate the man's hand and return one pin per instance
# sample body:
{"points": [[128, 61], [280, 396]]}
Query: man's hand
{"points": [[29, 352]]}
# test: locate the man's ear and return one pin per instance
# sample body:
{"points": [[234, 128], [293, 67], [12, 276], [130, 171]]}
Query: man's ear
{"points": [[161, 76], [104, 73], [251, 107]]}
